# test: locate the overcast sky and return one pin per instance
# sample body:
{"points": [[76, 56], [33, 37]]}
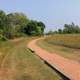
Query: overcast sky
{"points": [[54, 13]]}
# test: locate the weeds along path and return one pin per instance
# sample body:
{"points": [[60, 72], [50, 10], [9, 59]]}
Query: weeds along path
{"points": [[68, 67]]}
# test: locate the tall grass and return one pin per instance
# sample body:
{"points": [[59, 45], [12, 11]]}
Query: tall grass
{"points": [[68, 40]]}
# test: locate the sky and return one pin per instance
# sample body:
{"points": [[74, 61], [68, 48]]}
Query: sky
{"points": [[54, 13]]}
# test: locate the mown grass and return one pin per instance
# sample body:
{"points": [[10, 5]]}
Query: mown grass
{"points": [[19, 63], [66, 45]]}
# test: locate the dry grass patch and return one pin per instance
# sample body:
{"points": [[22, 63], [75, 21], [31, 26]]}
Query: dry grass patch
{"points": [[19, 63]]}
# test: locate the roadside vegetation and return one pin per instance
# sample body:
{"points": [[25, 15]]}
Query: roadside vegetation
{"points": [[68, 29], [17, 24], [66, 45]]}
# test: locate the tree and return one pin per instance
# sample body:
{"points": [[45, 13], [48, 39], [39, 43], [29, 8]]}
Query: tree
{"points": [[17, 24], [60, 31], [2, 19], [50, 32], [42, 25], [18, 20], [71, 28], [3, 24], [34, 28]]}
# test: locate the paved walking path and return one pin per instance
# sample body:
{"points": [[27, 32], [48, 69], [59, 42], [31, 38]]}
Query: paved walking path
{"points": [[68, 67]]}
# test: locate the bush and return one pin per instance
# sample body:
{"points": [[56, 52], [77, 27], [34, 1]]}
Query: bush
{"points": [[2, 38], [20, 35]]}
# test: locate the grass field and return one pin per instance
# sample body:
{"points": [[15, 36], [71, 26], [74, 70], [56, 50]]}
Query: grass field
{"points": [[18, 63], [65, 45]]}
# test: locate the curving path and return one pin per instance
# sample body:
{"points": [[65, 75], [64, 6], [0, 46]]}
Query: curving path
{"points": [[68, 67]]}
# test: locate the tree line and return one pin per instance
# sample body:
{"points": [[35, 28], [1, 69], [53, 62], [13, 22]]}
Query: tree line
{"points": [[18, 24], [68, 29]]}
